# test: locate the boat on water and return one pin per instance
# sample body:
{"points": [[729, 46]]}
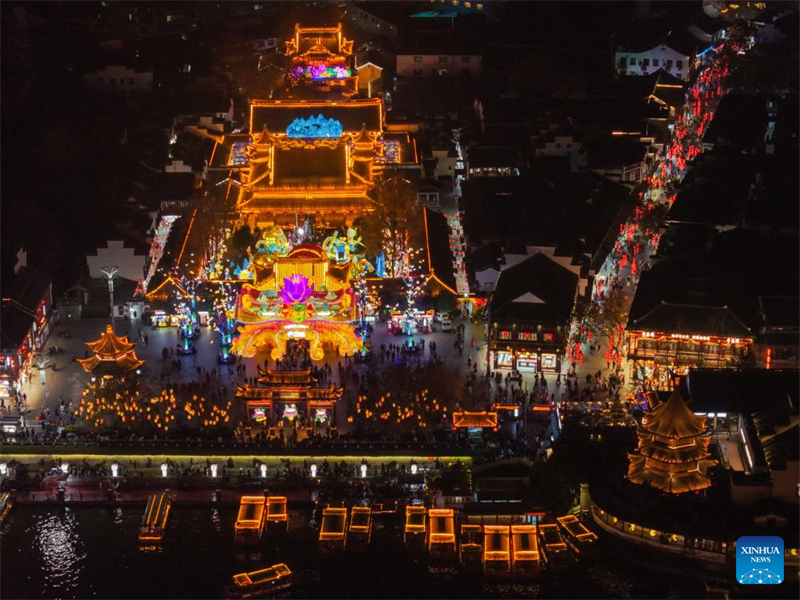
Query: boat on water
{"points": [[386, 507], [332, 531], [262, 583], [5, 505], [415, 532], [250, 520], [360, 530], [154, 521], [496, 551], [554, 549], [581, 541], [277, 515], [525, 557], [470, 548], [442, 533]]}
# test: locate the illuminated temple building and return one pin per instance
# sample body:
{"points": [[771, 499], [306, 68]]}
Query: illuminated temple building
{"points": [[672, 454], [316, 151], [113, 355], [288, 396]]}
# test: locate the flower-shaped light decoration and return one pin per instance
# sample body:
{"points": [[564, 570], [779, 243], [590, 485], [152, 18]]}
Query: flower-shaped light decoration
{"points": [[296, 289]]}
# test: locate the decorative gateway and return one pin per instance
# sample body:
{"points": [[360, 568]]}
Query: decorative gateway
{"points": [[307, 294]]}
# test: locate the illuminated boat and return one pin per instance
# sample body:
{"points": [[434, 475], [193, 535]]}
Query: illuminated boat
{"points": [[581, 541], [360, 530], [470, 547], [554, 550], [258, 584], [5, 506], [525, 557], [415, 531], [385, 507], [154, 520], [332, 532], [442, 533], [277, 515], [250, 520], [496, 550]]}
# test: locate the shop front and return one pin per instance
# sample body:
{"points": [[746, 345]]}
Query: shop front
{"points": [[526, 361]]}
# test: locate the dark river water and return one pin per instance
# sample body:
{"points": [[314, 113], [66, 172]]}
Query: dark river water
{"points": [[91, 552]]}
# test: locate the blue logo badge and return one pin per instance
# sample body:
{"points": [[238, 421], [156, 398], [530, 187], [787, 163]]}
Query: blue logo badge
{"points": [[759, 560]]}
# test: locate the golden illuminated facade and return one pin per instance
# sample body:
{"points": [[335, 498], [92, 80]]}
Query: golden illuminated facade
{"points": [[112, 355], [288, 396], [316, 151], [672, 455]]}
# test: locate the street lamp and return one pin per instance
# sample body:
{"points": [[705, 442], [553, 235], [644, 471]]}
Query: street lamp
{"points": [[110, 273]]}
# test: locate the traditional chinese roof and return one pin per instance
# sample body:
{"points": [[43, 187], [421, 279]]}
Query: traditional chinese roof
{"points": [[440, 255], [294, 393], [673, 449], [111, 353], [691, 319], [536, 290], [474, 419], [277, 115], [675, 483], [674, 419], [272, 377], [319, 41]]}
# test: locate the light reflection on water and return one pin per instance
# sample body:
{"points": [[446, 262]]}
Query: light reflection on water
{"points": [[56, 540], [93, 552]]}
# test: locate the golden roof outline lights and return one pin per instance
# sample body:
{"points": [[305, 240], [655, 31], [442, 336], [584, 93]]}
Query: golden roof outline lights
{"points": [[252, 510], [155, 518], [360, 519], [272, 578], [442, 533], [276, 509], [415, 519], [672, 453], [334, 524], [496, 548], [575, 528], [333, 528], [111, 349], [525, 546], [471, 538], [474, 419]]}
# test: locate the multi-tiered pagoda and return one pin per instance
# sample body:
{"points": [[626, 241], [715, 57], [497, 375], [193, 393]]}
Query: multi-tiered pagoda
{"points": [[112, 355], [672, 455], [314, 152]]}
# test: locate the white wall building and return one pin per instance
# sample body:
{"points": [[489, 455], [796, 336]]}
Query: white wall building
{"points": [[119, 79], [368, 22], [650, 61], [438, 65], [116, 254]]}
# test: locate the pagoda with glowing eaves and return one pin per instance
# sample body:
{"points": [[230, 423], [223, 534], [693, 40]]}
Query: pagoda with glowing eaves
{"points": [[672, 454], [317, 150], [113, 355]]}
